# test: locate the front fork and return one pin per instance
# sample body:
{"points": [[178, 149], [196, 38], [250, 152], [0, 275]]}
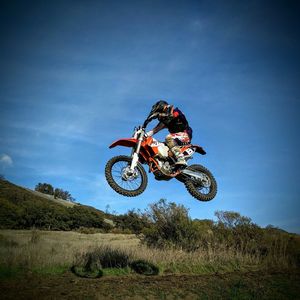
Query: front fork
{"points": [[135, 154]]}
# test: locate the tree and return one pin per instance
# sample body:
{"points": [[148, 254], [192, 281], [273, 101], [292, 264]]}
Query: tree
{"points": [[48, 189], [45, 188], [107, 209], [237, 231], [132, 220], [231, 219], [65, 195]]}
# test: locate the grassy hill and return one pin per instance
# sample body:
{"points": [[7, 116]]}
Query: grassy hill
{"points": [[51, 198], [9, 190], [22, 208]]}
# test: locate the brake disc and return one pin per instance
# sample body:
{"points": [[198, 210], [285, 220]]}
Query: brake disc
{"points": [[128, 174]]}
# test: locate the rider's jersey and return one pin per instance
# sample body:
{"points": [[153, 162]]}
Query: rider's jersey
{"points": [[176, 121]]}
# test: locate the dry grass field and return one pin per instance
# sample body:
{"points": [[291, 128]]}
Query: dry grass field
{"points": [[35, 264], [35, 250], [56, 251]]}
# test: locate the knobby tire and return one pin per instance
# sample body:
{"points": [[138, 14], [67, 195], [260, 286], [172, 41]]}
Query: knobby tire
{"points": [[115, 186], [192, 187]]}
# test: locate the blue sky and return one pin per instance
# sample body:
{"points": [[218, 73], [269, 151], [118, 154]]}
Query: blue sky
{"points": [[77, 75]]}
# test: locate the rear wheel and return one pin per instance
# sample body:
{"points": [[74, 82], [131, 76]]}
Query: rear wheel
{"points": [[204, 189], [122, 179]]}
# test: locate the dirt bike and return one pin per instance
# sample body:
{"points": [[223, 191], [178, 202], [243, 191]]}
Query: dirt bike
{"points": [[126, 175]]}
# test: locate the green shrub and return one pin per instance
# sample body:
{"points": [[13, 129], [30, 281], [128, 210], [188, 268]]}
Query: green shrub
{"points": [[87, 265], [144, 267], [90, 264], [112, 258], [134, 221], [87, 272], [171, 227], [103, 257]]}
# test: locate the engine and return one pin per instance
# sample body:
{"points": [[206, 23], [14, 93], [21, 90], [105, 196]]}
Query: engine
{"points": [[165, 170], [165, 167], [162, 157]]}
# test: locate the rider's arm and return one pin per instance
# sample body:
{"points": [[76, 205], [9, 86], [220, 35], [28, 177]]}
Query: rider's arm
{"points": [[158, 127]]}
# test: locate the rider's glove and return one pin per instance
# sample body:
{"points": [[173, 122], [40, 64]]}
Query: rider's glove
{"points": [[149, 133]]}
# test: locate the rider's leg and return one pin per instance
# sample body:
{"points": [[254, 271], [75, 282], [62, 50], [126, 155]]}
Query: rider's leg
{"points": [[173, 146]]}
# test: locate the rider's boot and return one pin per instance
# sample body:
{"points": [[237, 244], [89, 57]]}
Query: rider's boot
{"points": [[179, 156]]}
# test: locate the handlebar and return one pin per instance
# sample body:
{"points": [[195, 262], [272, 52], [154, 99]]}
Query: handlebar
{"points": [[137, 130]]}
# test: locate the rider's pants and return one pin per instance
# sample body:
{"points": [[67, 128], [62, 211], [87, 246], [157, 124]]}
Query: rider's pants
{"points": [[175, 140]]}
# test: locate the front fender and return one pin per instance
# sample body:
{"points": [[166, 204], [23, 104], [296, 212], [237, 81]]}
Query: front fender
{"points": [[124, 142], [144, 154]]}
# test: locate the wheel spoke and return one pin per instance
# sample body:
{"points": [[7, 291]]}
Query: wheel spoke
{"points": [[203, 190], [117, 174]]}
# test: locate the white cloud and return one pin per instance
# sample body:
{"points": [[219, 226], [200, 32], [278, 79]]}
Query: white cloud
{"points": [[6, 160]]}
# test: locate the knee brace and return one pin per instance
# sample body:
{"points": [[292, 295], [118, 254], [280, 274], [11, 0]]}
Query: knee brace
{"points": [[176, 151], [170, 141]]}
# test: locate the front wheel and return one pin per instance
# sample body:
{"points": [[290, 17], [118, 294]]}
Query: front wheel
{"points": [[204, 189], [122, 179]]}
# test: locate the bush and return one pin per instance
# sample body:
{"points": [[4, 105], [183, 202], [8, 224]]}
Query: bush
{"points": [[144, 267], [133, 221], [112, 258], [239, 233], [104, 257], [88, 265], [171, 227], [87, 272], [101, 260]]}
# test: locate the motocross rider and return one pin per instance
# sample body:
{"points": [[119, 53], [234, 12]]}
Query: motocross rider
{"points": [[175, 121]]}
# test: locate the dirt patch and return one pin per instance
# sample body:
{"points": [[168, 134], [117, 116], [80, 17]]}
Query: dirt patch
{"points": [[226, 286]]}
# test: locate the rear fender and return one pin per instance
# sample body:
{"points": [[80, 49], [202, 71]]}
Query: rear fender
{"points": [[199, 149]]}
